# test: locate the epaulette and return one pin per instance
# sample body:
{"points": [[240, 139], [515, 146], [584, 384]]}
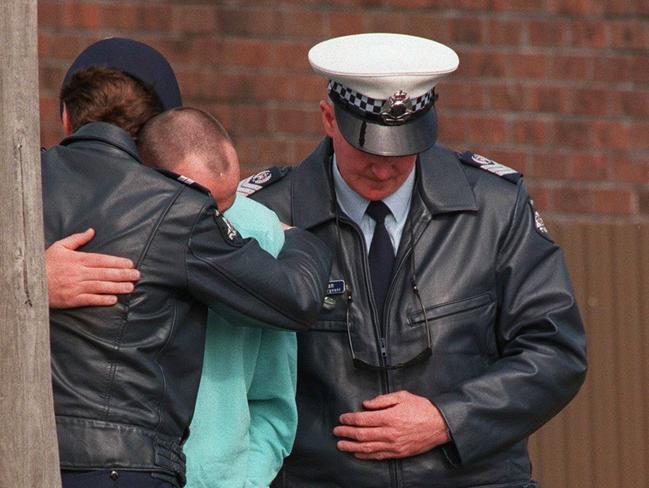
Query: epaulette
{"points": [[264, 178], [481, 162], [183, 179]]}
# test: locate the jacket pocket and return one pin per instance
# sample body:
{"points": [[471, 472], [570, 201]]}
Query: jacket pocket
{"points": [[464, 327], [446, 309]]}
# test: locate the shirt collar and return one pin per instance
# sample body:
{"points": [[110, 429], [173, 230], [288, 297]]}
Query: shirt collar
{"points": [[351, 203], [399, 201], [441, 182], [355, 205]]}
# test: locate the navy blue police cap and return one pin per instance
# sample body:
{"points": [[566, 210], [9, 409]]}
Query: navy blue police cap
{"points": [[136, 59]]}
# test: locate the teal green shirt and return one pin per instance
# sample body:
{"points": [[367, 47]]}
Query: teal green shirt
{"points": [[245, 417]]}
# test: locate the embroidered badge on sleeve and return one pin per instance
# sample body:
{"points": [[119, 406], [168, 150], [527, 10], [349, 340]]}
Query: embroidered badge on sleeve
{"points": [[229, 233], [539, 224]]}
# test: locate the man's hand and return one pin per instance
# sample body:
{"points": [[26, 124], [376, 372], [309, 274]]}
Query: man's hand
{"points": [[79, 279], [395, 425]]}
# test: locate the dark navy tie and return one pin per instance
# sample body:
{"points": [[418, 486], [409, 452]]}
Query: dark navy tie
{"points": [[381, 256]]}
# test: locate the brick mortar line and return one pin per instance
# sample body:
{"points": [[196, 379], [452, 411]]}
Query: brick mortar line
{"points": [[576, 184], [583, 52], [447, 13], [562, 151], [450, 12], [595, 218], [546, 117]]}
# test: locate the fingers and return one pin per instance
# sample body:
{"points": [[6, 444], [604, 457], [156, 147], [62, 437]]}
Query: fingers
{"points": [[384, 401], [93, 260], [377, 456], [363, 434], [75, 241], [365, 448], [112, 275], [106, 287], [89, 300], [363, 419]]}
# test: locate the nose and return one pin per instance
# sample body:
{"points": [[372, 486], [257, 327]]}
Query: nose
{"points": [[382, 170]]}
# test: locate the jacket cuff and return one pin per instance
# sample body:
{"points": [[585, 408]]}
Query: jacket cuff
{"points": [[452, 410]]}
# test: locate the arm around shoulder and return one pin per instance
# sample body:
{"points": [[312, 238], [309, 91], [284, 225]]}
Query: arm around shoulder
{"points": [[224, 268]]}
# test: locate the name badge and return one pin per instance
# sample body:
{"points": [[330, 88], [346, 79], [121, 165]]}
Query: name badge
{"points": [[336, 287]]}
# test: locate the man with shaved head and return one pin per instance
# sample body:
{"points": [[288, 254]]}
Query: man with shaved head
{"points": [[193, 143], [245, 418]]}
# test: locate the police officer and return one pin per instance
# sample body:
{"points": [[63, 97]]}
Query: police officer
{"points": [[449, 332]]}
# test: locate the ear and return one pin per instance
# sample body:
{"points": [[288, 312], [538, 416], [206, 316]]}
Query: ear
{"points": [[328, 118], [67, 123]]}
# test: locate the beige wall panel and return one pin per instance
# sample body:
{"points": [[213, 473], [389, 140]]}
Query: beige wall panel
{"points": [[578, 416], [600, 440], [643, 387], [625, 301]]}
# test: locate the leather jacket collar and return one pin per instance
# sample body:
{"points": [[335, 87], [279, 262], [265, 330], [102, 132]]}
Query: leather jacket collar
{"points": [[104, 132], [441, 182]]}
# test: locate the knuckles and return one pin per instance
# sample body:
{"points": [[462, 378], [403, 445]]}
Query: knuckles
{"points": [[366, 448]]}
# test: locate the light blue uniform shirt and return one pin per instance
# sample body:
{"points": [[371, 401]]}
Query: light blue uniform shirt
{"points": [[355, 206]]}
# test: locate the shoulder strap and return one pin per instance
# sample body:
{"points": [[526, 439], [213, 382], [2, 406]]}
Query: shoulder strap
{"points": [[183, 179], [264, 178], [485, 164]]}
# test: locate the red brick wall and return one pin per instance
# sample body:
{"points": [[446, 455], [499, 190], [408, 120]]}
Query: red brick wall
{"points": [[558, 89]]}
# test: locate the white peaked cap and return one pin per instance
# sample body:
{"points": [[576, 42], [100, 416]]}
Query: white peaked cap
{"points": [[381, 86], [379, 64]]}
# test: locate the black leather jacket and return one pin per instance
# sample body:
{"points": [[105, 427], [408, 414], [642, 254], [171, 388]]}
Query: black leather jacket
{"points": [[508, 348], [125, 377]]}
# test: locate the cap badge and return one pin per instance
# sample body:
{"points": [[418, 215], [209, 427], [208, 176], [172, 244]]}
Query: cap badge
{"points": [[397, 109]]}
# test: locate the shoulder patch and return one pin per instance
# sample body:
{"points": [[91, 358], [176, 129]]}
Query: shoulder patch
{"points": [[262, 179], [229, 233], [481, 162], [183, 179], [539, 224]]}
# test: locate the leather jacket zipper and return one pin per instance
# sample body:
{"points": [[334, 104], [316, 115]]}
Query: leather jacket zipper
{"points": [[384, 353], [395, 464], [378, 332]]}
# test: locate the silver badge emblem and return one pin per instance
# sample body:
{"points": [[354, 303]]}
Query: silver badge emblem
{"points": [[227, 229], [232, 232], [261, 178], [538, 220], [397, 109], [540, 225]]}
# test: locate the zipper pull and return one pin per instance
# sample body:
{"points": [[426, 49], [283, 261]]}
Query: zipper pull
{"points": [[383, 350]]}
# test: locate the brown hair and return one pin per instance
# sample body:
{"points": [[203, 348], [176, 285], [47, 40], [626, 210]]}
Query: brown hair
{"points": [[100, 94]]}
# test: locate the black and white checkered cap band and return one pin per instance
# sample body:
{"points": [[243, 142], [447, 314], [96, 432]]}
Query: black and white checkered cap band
{"points": [[373, 105]]}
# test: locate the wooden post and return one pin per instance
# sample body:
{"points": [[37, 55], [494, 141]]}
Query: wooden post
{"points": [[28, 448]]}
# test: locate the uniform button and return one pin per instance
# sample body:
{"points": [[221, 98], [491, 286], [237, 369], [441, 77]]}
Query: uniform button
{"points": [[114, 475]]}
